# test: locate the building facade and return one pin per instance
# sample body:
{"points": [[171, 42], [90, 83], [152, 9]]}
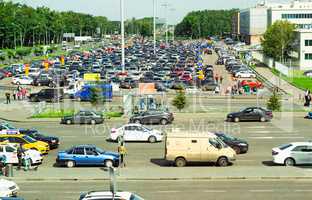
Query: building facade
{"points": [[253, 24], [236, 26]]}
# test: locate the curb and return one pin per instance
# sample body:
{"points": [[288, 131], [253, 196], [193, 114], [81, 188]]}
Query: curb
{"points": [[160, 179], [23, 121]]}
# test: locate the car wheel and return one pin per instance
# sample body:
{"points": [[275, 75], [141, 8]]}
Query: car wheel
{"points": [[236, 149], [93, 122], [108, 163], [289, 162], [39, 84], [70, 164], [68, 122], [222, 162], [152, 139], [137, 121], [262, 119], [163, 121], [236, 119], [180, 162]]}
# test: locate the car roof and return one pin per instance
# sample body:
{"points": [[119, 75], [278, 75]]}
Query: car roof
{"points": [[85, 145], [107, 194], [301, 143]]}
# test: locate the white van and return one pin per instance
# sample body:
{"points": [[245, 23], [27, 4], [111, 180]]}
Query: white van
{"points": [[182, 148]]}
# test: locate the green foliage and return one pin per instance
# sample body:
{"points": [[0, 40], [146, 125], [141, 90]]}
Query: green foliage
{"points": [[204, 23], [274, 102], [179, 100], [113, 114], [53, 113], [143, 26], [95, 96], [21, 52], [278, 40], [11, 53]]}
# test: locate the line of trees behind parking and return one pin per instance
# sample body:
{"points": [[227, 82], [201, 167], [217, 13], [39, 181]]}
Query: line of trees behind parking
{"points": [[199, 24], [22, 25]]}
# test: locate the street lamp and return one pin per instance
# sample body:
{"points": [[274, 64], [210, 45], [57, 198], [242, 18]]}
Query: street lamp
{"points": [[154, 25], [122, 35]]}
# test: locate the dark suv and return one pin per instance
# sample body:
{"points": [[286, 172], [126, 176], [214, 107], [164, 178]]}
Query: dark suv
{"points": [[152, 117], [49, 95]]}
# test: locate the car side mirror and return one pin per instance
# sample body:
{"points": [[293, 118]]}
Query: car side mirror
{"points": [[219, 146]]}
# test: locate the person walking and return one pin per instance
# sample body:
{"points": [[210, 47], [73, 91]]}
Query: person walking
{"points": [[221, 79], [122, 151], [14, 95], [24, 92], [20, 155], [8, 97]]}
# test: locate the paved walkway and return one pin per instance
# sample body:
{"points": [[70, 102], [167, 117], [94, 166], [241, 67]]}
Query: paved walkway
{"points": [[296, 93]]}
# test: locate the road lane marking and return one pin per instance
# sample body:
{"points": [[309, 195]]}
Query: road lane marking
{"points": [[214, 191], [282, 137], [172, 191], [260, 190]]}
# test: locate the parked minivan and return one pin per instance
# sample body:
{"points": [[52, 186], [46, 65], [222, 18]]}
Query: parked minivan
{"points": [[48, 95], [182, 148]]}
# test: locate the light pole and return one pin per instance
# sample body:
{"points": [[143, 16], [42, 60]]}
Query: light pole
{"points": [[166, 18], [154, 25], [122, 12]]}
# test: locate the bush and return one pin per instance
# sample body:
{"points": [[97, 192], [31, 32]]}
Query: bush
{"points": [[21, 52], [179, 100], [274, 103], [113, 114], [53, 114]]}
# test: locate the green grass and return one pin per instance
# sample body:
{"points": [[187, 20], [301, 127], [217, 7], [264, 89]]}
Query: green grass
{"points": [[298, 80], [53, 114], [113, 114]]}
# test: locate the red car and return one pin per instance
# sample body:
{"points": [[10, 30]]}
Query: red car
{"points": [[178, 71], [6, 73], [252, 84], [186, 77]]}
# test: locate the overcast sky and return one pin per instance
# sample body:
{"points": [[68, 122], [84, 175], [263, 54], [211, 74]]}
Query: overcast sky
{"points": [[140, 8]]}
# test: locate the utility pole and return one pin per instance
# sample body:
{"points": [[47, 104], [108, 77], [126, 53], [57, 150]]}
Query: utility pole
{"points": [[154, 25], [122, 12], [166, 18]]}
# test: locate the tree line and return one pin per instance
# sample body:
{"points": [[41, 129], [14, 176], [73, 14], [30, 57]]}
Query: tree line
{"points": [[198, 24], [22, 25]]}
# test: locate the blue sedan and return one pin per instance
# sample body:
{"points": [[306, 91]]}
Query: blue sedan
{"points": [[87, 155]]}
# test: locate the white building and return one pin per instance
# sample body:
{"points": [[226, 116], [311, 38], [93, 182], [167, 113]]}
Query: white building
{"points": [[297, 12]]}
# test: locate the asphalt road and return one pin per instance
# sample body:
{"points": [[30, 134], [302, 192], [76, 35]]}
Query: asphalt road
{"points": [[174, 190]]}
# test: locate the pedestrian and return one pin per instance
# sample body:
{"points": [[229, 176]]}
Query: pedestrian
{"points": [[14, 94], [221, 79], [306, 98], [3, 163], [309, 99], [122, 151], [24, 92], [20, 155], [8, 97]]}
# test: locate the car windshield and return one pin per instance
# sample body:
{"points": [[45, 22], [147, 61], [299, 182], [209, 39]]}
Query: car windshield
{"points": [[146, 128], [135, 197], [100, 151], [29, 139], [228, 137], [285, 146], [9, 126]]}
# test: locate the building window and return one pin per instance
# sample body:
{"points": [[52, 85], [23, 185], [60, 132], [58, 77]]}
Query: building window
{"points": [[307, 43], [297, 16], [308, 56]]}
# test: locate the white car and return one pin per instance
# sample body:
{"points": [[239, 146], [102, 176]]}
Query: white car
{"points": [[296, 153], [10, 152], [22, 80], [136, 132], [245, 74], [8, 188], [105, 195]]}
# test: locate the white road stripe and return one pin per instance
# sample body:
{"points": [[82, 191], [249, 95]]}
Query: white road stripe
{"points": [[172, 191], [260, 190], [214, 191]]}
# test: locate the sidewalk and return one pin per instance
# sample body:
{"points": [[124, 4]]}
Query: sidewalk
{"points": [[296, 93], [165, 173]]}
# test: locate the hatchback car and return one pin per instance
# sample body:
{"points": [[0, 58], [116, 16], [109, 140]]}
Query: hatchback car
{"points": [[251, 114], [136, 132], [87, 155], [105, 195], [152, 117], [83, 117], [291, 154], [238, 145]]}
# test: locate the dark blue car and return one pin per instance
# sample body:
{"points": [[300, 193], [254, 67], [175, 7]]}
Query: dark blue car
{"points": [[87, 155]]}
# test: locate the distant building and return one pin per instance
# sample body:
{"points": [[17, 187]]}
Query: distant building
{"points": [[236, 26], [255, 21], [253, 24]]}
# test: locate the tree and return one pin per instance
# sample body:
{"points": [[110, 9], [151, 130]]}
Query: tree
{"points": [[95, 96], [274, 103], [278, 40], [180, 100]]}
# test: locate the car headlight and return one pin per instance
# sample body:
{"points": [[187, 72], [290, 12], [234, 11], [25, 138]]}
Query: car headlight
{"points": [[53, 141], [242, 144]]}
